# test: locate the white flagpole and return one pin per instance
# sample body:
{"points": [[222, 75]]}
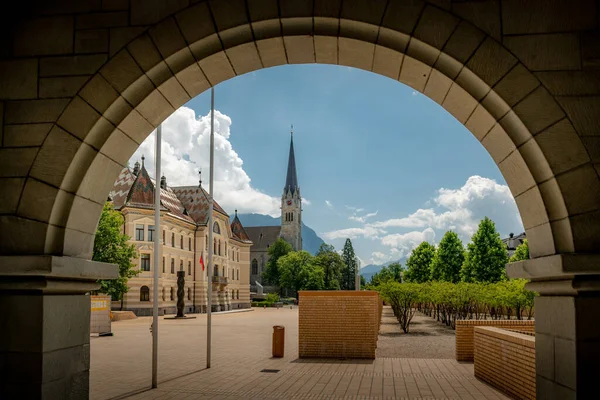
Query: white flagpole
{"points": [[210, 229], [157, 235]]}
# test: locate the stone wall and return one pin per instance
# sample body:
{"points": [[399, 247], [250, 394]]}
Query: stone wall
{"points": [[338, 324], [506, 360], [464, 333]]}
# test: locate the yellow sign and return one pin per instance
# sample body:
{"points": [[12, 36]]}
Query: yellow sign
{"points": [[99, 304]]}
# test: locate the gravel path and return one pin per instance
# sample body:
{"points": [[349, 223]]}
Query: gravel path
{"points": [[427, 338]]}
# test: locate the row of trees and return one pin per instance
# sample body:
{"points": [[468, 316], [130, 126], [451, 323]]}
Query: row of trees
{"points": [[484, 259], [299, 270], [449, 302]]}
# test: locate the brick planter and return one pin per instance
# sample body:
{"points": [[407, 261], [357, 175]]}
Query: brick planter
{"points": [[464, 333]]}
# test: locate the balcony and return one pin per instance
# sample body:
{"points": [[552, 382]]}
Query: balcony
{"points": [[221, 280]]}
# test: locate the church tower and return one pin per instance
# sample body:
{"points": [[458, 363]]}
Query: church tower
{"points": [[291, 204]]}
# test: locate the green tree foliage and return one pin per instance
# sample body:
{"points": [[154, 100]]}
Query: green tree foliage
{"points": [[332, 264], [521, 252], [486, 255], [448, 260], [110, 246], [278, 249], [396, 270], [404, 299], [299, 272], [349, 270], [419, 263], [363, 282]]}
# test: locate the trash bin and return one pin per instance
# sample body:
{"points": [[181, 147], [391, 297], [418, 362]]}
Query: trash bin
{"points": [[278, 340]]}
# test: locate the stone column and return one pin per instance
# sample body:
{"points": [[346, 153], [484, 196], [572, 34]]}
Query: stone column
{"points": [[567, 323], [45, 325]]}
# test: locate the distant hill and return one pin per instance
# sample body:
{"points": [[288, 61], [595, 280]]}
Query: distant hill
{"points": [[310, 240], [369, 270]]}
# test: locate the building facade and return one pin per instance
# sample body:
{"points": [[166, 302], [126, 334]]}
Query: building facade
{"points": [[291, 224], [184, 247]]}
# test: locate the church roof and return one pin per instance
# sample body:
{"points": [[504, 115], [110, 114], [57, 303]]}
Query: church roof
{"points": [[291, 180], [262, 236], [238, 229]]}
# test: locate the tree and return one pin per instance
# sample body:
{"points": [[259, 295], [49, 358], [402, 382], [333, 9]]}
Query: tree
{"points": [[486, 255], [418, 265], [521, 252], [448, 260], [298, 272], [278, 249], [363, 282], [349, 271], [396, 270], [332, 264], [110, 246], [383, 276]]}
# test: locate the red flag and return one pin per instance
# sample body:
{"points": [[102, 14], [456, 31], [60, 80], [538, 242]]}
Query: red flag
{"points": [[202, 261]]}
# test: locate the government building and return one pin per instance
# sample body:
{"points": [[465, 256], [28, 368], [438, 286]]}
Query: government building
{"points": [[184, 246], [262, 237]]}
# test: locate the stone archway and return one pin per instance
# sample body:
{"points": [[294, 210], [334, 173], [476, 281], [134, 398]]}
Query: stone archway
{"points": [[82, 89]]}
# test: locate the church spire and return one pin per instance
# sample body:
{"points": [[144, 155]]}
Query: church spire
{"points": [[291, 181]]}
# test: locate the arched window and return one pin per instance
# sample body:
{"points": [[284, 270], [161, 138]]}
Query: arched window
{"points": [[189, 267], [238, 274], [215, 246], [254, 267], [172, 294], [145, 293], [172, 239], [181, 242], [216, 228], [291, 216], [216, 270], [189, 294], [238, 255]]}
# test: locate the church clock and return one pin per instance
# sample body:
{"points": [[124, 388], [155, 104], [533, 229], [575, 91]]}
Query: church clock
{"points": [[289, 202]]}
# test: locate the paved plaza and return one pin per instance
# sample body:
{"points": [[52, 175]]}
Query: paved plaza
{"points": [[242, 348]]}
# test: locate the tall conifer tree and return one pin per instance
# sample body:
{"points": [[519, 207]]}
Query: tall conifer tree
{"points": [[486, 255]]}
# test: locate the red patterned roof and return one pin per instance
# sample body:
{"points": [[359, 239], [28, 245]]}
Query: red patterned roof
{"points": [[238, 230], [197, 202], [142, 191], [121, 188]]}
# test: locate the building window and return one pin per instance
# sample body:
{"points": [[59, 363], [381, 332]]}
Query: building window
{"points": [[139, 233], [238, 255], [206, 244], [219, 247], [145, 262], [172, 265], [172, 240], [151, 233], [181, 242], [189, 267], [238, 274], [237, 294], [216, 270], [216, 228], [254, 267], [172, 294], [164, 294], [164, 238], [189, 294], [190, 244], [163, 265], [215, 246], [181, 265], [145, 293]]}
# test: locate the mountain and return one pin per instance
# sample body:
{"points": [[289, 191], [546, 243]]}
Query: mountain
{"points": [[310, 240], [369, 270]]}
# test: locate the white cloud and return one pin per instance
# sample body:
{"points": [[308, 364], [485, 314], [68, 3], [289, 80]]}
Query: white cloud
{"points": [[378, 257], [361, 218], [353, 233], [185, 151], [403, 243], [355, 209], [306, 202], [464, 208], [329, 204]]}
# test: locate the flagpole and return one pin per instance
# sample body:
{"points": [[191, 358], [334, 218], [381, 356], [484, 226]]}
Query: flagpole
{"points": [[156, 257], [210, 229]]}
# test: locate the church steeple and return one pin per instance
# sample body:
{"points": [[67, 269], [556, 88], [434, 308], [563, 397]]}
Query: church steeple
{"points": [[291, 181], [291, 203]]}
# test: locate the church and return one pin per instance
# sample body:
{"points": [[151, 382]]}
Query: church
{"points": [[291, 224]]}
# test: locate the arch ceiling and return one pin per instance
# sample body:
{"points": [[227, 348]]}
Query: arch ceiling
{"points": [[82, 89]]}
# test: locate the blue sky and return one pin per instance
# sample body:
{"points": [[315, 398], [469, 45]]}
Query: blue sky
{"points": [[364, 144]]}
